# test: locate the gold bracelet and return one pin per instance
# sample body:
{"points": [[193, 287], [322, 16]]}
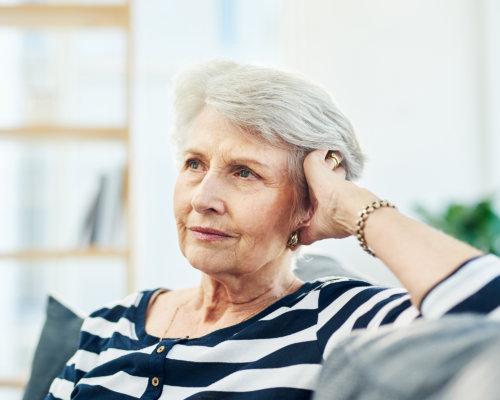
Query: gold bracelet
{"points": [[363, 216]]}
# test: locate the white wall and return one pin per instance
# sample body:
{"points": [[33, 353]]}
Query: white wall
{"points": [[411, 75], [491, 89]]}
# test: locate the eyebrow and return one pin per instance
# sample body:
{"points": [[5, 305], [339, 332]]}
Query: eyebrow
{"points": [[249, 161], [233, 161]]}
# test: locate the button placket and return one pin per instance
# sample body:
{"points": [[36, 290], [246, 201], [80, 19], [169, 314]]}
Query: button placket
{"points": [[160, 349], [157, 366], [156, 369]]}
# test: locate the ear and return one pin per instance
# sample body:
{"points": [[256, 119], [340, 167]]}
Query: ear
{"points": [[305, 219], [303, 222]]}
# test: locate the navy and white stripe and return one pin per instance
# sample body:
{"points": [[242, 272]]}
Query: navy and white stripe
{"points": [[275, 354], [472, 288]]}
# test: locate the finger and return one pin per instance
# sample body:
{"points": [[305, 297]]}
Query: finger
{"points": [[323, 182], [337, 168], [340, 172], [318, 169], [333, 159]]}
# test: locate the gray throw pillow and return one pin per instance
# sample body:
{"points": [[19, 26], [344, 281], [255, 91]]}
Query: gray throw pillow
{"points": [[58, 342], [428, 360], [312, 266]]}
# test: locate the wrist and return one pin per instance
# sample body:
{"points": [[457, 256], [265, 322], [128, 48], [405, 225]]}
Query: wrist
{"points": [[363, 216], [355, 202]]}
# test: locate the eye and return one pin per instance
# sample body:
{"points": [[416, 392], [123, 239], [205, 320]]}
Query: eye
{"points": [[246, 173], [193, 164]]}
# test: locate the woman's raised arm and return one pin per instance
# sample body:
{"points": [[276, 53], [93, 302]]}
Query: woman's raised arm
{"points": [[420, 256]]}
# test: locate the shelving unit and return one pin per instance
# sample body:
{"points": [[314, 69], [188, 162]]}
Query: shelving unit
{"points": [[91, 252], [43, 132], [13, 383], [67, 15], [56, 16]]}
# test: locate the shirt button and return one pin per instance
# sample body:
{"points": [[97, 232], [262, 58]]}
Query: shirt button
{"points": [[155, 381], [160, 349]]}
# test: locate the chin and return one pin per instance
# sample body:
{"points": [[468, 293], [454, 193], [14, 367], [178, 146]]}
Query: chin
{"points": [[210, 263]]}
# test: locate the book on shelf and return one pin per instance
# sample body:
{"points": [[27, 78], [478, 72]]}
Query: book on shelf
{"points": [[103, 223]]}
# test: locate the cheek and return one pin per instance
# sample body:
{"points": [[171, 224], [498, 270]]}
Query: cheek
{"points": [[269, 218], [181, 200]]}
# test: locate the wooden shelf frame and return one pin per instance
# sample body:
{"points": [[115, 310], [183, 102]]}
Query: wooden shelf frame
{"points": [[33, 16], [14, 383], [37, 255], [58, 132], [75, 16]]}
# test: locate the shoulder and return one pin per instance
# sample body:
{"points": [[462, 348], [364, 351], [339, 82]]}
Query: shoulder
{"points": [[334, 286], [163, 298], [124, 318], [347, 294], [124, 306], [318, 294]]}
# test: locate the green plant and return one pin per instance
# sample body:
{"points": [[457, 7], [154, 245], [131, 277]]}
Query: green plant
{"points": [[477, 224]]}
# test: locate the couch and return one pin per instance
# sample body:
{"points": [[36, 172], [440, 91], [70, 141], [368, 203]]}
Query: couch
{"points": [[453, 358]]}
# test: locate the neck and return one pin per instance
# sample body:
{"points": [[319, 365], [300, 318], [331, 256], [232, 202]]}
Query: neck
{"points": [[246, 295]]}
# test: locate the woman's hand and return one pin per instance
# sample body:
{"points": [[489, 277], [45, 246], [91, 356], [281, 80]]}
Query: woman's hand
{"points": [[417, 254], [335, 202]]}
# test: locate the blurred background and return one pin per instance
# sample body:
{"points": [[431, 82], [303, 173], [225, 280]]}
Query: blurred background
{"points": [[86, 166]]}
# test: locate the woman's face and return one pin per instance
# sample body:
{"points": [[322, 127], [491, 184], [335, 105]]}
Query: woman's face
{"points": [[233, 200]]}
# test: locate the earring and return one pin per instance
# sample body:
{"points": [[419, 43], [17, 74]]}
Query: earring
{"points": [[293, 240]]}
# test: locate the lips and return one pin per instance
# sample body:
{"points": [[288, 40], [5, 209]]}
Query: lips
{"points": [[208, 234]]}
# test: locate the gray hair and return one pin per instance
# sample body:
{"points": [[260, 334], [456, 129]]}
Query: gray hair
{"points": [[279, 107]]}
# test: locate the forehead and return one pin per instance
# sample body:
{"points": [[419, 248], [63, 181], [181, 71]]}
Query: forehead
{"points": [[213, 135]]}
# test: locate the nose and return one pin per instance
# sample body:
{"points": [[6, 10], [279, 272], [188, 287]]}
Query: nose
{"points": [[209, 195]]}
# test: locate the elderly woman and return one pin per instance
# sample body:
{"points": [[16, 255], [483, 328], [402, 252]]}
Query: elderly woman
{"points": [[267, 162]]}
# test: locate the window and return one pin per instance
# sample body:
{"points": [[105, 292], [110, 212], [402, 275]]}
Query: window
{"points": [[65, 119]]}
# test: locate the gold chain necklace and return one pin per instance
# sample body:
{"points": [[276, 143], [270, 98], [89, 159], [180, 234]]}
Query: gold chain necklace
{"points": [[247, 317], [172, 320]]}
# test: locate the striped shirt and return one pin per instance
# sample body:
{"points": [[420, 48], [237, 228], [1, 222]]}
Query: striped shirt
{"points": [[276, 354]]}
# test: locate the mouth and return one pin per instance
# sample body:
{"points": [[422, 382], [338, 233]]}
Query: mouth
{"points": [[208, 234]]}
